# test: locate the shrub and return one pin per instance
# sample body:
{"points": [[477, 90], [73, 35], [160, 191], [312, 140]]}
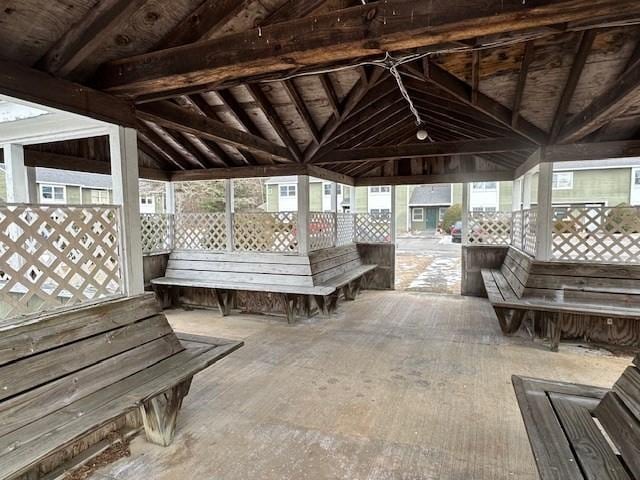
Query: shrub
{"points": [[623, 218], [452, 215]]}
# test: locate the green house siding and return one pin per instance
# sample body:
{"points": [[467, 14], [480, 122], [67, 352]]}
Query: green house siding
{"points": [[362, 200], [611, 187], [402, 199], [457, 193], [272, 198], [505, 194]]}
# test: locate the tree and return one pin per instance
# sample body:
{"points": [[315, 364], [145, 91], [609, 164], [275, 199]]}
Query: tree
{"points": [[452, 215]]}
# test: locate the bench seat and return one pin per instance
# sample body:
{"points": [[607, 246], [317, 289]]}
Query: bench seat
{"points": [[92, 373], [298, 279], [557, 290], [581, 432]]}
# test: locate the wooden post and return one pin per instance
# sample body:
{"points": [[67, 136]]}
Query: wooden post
{"points": [[393, 214], [303, 214], [228, 212], [170, 198], [466, 206], [334, 209], [544, 216], [16, 174], [352, 200], [123, 148]]}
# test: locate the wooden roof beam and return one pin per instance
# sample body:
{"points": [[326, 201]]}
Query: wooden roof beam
{"points": [[623, 92], [169, 115], [527, 59], [340, 35], [579, 61], [301, 108], [394, 152], [478, 176]]}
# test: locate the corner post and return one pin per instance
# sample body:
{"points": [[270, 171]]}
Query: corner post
{"points": [[303, 214], [466, 206], [228, 212], [170, 198], [19, 185], [334, 210], [393, 214], [123, 148], [544, 215]]}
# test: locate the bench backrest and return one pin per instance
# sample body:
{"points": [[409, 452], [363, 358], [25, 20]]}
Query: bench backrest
{"points": [[263, 268], [52, 361], [572, 282], [619, 414]]}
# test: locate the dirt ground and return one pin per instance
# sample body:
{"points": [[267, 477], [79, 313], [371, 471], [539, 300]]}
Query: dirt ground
{"points": [[428, 263]]}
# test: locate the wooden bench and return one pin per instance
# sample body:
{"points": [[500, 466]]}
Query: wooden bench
{"points": [[557, 289], [70, 378], [582, 432], [321, 276]]}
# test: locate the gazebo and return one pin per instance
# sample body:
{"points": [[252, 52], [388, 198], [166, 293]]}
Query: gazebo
{"points": [[356, 93]]}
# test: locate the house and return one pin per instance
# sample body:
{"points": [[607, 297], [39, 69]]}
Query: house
{"points": [[73, 188]]}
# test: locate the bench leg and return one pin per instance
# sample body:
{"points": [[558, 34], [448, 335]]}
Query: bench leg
{"points": [[509, 319], [357, 285], [290, 302], [322, 304], [224, 299], [555, 330], [159, 414], [347, 291], [333, 301]]}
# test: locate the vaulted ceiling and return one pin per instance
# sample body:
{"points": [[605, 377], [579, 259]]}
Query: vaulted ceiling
{"points": [[258, 87]]}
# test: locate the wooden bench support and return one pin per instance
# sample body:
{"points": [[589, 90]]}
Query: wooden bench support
{"points": [[160, 413], [225, 299], [509, 319]]}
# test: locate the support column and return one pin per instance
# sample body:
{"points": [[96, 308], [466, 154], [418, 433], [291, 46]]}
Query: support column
{"points": [[303, 214], [228, 212], [170, 198], [466, 206], [393, 214], [123, 148], [544, 216], [334, 210], [352, 199], [20, 181]]}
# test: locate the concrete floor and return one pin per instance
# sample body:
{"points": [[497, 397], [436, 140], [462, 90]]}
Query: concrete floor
{"points": [[396, 385]]}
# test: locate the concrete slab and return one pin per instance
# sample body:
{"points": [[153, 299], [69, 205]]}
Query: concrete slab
{"points": [[397, 385]]}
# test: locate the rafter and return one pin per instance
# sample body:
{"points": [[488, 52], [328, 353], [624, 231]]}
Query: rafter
{"points": [[301, 108], [330, 93], [155, 141], [345, 34], [579, 61], [394, 152], [485, 104], [172, 116], [527, 59], [624, 92]]}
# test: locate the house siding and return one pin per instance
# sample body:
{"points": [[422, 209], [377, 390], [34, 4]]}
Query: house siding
{"points": [[3, 187], [611, 187], [315, 197]]}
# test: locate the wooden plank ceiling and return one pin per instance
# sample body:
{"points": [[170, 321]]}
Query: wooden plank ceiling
{"points": [[262, 87]]}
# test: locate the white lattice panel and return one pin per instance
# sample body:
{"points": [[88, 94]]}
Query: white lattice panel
{"points": [[489, 228], [529, 226], [157, 233], [597, 234], [322, 230], [53, 256], [200, 231], [265, 232], [346, 229], [516, 229], [373, 228]]}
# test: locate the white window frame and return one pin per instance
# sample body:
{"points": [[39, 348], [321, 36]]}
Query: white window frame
{"points": [[288, 189], [53, 187], [555, 181], [380, 189], [635, 177], [482, 186], [415, 210], [100, 192]]}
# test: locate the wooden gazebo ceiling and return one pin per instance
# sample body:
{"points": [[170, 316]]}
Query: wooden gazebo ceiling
{"points": [[259, 87]]}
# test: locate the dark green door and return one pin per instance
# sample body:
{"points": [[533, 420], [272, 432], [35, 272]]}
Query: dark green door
{"points": [[432, 218]]}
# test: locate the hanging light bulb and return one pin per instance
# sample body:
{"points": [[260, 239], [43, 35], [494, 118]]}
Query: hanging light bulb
{"points": [[422, 134]]}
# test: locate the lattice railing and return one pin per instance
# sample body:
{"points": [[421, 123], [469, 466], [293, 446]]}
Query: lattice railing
{"points": [[345, 224], [516, 229], [54, 256], [596, 234], [489, 228], [200, 231], [322, 230], [373, 228], [265, 232], [157, 233], [529, 229]]}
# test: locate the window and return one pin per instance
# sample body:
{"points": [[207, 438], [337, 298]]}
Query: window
{"points": [[562, 181], [417, 214], [380, 189], [379, 211], [636, 177], [146, 200], [483, 209], [485, 187], [100, 196], [287, 190], [327, 189], [53, 193]]}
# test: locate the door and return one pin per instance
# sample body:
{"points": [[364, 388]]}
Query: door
{"points": [[432, 218]]}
